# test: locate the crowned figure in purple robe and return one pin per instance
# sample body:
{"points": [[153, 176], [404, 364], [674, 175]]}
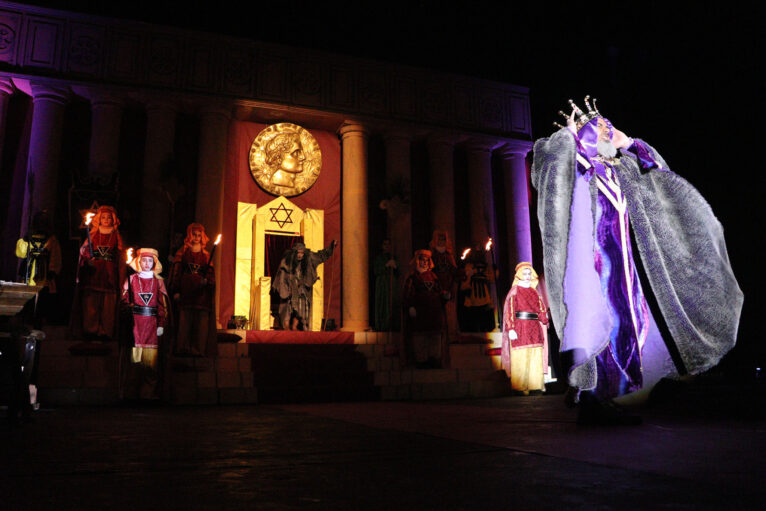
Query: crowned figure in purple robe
{"points": [[639, 279]]}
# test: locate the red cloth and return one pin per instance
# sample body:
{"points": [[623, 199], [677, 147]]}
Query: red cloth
{"points": [[239, 186], [150, 293], [186, 279], [298, 337], [423, 292], [444, 268], [104, 273], [525, 299]]}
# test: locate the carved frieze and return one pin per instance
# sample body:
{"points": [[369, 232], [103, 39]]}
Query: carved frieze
{"points": [[10, 27], [43, 42], [85, 49]]}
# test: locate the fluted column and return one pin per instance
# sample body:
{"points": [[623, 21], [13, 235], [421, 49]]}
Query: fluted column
{"points": [[516, 190], [6, 91], [481, 202], [441, 173], [158, 153], [354, 245], [106, 121], [398, 186], [49, 105], [214, 135]]}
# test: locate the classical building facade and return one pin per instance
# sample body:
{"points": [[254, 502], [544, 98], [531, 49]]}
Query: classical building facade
{"points": [[142, 116]]}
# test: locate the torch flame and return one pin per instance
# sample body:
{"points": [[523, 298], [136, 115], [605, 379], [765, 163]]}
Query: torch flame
{"points": [[465, 254], [129, 256], [217, 240], [89, 218], [488, 245]]}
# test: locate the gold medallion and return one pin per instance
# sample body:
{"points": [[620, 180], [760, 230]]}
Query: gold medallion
{"points": [[285, 159]]}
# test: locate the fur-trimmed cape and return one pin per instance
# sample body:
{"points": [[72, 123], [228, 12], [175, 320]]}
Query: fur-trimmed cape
{"points": [[680, 243]]}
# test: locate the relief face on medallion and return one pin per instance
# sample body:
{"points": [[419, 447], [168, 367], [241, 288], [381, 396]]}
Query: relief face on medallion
{"points": [[285, 159]]}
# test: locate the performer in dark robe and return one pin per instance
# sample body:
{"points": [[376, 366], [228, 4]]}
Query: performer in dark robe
{"points": [[294, 282], [99, 278], [192, 285], [386, 271], [524, 352], [446, 270], [598, 189], [423, 301], [144, 292], [479, 311]]}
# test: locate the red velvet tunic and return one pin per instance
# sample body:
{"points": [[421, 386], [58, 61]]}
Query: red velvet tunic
{"points": [[187, 280], [525, 299], [423, 292], [146, 293], [104, 274]]}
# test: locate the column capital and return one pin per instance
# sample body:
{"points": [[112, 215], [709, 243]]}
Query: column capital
{"points": [[352, 128], [442, 139], [480, 145], [44, 92], [513, 149], [160, 104], [6, 86], [99, 96], [224, 109]]}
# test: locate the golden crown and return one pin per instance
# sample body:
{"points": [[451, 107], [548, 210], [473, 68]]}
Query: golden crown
{"points": [[582, 117]]}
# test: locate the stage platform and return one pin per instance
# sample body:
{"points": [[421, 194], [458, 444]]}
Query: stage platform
{"points": [[280, 367]]}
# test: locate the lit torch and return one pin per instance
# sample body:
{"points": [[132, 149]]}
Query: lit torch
{"points": [[88, 220], [488, 245], [129, 256], [465, 254], [212, 251]]}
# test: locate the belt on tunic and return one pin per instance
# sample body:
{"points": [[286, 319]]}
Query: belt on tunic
{"points": [[140, 310], [107, 257], [526, 315]]}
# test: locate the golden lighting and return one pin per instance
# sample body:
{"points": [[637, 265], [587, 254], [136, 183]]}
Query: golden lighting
{"points": [[465, 254], [488, 246], [89, 218], [129, 257], [217, 240]]}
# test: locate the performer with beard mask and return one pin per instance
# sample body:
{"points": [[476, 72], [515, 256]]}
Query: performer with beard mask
{"points": [[294, 282], [598, 190]]}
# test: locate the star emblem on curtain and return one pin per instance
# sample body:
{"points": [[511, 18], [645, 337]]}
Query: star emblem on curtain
{"points": [[281, 215]]}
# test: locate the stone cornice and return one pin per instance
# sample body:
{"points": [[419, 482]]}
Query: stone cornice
{"points": [[95, 50]]}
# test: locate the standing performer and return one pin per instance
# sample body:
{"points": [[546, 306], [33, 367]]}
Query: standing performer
{"points": [[145, 293], [446, 270], [479, 311], [99, 275], [386, 270], [423, 301], [192, 284], [524, 353], [596, 186], [294, 282]]}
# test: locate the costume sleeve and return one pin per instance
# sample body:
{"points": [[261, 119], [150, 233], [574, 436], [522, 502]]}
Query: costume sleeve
{"points": [[125, 296], [323, 255], [21, 248], [648, 157], [84, 252], [280, 283], [542, 314], [163, 304]]}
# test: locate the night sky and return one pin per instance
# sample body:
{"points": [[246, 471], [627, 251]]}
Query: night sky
{"points": [[688, 81]]}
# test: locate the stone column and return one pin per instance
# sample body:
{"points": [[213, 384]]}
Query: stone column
{"points": [[354, 245], [517, 202], [441, 169], [106, 120], [6, 91], [399, 190], [481, 204], [155, 204], [214, 135], [49, 105]]}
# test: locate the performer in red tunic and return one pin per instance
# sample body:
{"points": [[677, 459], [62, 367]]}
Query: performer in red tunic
{"points": [[525, 323], [145, 293], [99, 275], [192, 284], [422, 300]]}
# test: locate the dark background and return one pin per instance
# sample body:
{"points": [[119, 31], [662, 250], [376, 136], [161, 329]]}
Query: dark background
{"points": [[686, 77]]}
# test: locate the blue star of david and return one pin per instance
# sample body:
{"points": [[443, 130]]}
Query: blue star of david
{"points": [[287, 212]]}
